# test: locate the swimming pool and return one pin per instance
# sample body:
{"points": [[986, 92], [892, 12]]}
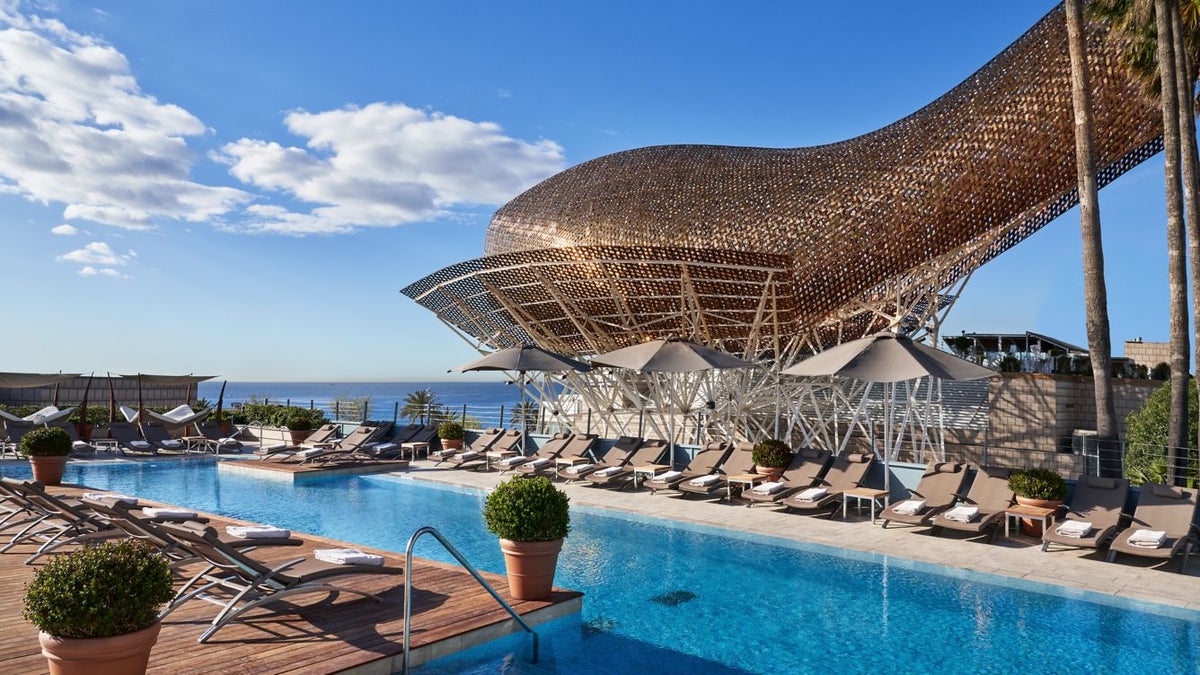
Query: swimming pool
{"points": [[671, 597]]}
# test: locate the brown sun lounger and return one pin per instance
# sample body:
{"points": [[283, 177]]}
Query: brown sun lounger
{"points": [[939, 486], [544, 456], [982, 508], [625, 446], [156, 434], [485, 440], [740, 461], [129, 438], [1166, 509], [620, 474], [350, 445], [578, 449], [846, 473], [508, 442], [705, 462], [1097, 501], [805, 469]]}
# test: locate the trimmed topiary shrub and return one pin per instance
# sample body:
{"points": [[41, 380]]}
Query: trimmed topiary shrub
{"points": [[527, 509], [99, 591], [1037, 484], [45, 442], [772, 454], [450, 431]]}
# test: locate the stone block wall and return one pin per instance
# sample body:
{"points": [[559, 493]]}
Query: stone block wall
{"points": [[1147, 354]]}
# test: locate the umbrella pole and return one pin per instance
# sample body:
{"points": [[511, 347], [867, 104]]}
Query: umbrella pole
{"points": [[524, 410], [887, 442]]}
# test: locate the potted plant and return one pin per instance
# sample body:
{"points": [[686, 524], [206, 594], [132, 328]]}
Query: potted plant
{"points": [[771, 457], [451, 434], [97, 607], [531, 517], [47, 449], [1042, 488], [299, 425]]}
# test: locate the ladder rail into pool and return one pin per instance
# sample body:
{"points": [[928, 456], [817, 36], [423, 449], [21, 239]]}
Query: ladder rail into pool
{"points": [[408, 559]]}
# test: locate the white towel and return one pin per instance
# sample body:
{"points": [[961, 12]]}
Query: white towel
{"points": [[539, 462], [266, 448], [140, 445], [310, 452], [610, 471], [579, 468], [910, 507], [767, 488], [467, 456], [385, 447], [1147, 538], [347, 556], [171, 443], [1076, 529], [509, 462], [111, 497], [156, 512], [233, 441], [703, 481], [257, 532], [962, 514], [812, 494], [80, 445], [667, 477]]}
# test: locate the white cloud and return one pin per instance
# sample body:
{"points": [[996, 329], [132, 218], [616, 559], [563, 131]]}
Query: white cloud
{"points": [[383, 165], [97, 253], [76, 129], [64, 230], [90, 271]]}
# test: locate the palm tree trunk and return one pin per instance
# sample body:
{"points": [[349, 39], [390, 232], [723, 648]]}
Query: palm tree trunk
{"points": [[1190, 160], [1095, 291], [1176, 234]]}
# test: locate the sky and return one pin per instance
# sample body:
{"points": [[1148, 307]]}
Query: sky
{"points": [[241, 189]]}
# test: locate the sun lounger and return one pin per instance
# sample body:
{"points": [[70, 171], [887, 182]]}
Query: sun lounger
{"points": [[63, 522], [349, 448], [480, 444], [578, 451], [580, 466], [805, 469], [544, 455], [1092, 519], [982, 508], [1165, 509], [825, 495], [508, 442], [255, 583], [618, 472], [14, 431], [156, 434], [739, 462], [704, 463], [215, 440], [129, 438], [936, 492]]}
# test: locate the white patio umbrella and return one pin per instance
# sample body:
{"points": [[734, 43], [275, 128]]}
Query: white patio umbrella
{"points": [[523, 359], [887, 358], [672, 355]]}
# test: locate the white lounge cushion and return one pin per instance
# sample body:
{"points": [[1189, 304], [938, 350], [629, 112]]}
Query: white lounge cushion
{"points": [[347, 556]]}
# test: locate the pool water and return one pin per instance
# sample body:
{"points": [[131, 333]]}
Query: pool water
{"points": [[670, 597]]}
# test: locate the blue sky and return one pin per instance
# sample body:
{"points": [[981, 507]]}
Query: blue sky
{"points": [[242, 188]]}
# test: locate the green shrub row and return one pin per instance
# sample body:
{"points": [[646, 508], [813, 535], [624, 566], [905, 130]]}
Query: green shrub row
{"points": [[292, 417]]}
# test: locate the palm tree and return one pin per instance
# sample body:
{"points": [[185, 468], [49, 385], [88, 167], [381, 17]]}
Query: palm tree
{"points": [[524, 415], [421, 405], [1095, 291]]}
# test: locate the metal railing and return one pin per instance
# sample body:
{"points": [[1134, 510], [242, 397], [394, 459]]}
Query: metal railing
{"points": [[408, 559]]}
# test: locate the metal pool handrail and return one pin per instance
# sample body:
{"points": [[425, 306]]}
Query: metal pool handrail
{"points": [[408, 558]]}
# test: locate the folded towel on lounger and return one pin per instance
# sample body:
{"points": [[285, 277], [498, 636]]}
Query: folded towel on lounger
{"points": [[509, 462], [812, 494], [80, 445], [140, 445], [347, 556], [767, 488], [704, 480], [1147, 538], [112, 497], [910, 507], [171, 443], [539, 462], [468, 456], [257, 532], [667, 477], [608, 471], [1076, 529], [158, 512], [385, 447], [962, 514], [310, 452], [580, 468], [266, 448]]}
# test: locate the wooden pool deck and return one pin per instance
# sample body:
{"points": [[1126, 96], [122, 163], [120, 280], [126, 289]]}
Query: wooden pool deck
{"points": [[307, 633]]}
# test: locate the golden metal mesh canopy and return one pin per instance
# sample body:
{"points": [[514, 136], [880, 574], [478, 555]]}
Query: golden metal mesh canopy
{"points": [[758, 249]]}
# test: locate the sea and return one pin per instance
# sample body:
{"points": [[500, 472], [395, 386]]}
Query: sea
{"points": [[482, 399]]}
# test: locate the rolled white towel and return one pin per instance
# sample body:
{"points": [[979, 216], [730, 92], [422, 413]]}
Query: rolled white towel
{"points": [[962, 514], [704, 481], [812, 494], [608, 471], [539, 462], [579, 468], [1076, 529], [266, 448], [509, 462], [767, 488], [385, 447], [666, 477], [111, 497], [80, 445], [467, 456], [347, 556], [1148, 538], [910, 507], [140, 445], [257, 532], [310, 452], [162, 512]]}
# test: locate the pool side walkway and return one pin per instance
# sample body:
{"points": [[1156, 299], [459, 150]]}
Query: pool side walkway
{"points": [[306, 633], [1019, 557]]}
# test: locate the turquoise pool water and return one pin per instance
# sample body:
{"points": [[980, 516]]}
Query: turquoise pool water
{"points": [[665, 597]]}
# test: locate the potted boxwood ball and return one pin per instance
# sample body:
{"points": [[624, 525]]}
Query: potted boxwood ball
{"points": [[47, 449], [531, 517], [771, 457], [97, 607], [1042, 488], [451, 435], [299, 425]]}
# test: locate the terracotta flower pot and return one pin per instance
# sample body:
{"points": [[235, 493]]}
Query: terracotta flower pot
{"points": [[530, 566], [452, 443], [1030, 527], [772, 473], [84, 431], [48, 470], [126, 654], [298, 436]]}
